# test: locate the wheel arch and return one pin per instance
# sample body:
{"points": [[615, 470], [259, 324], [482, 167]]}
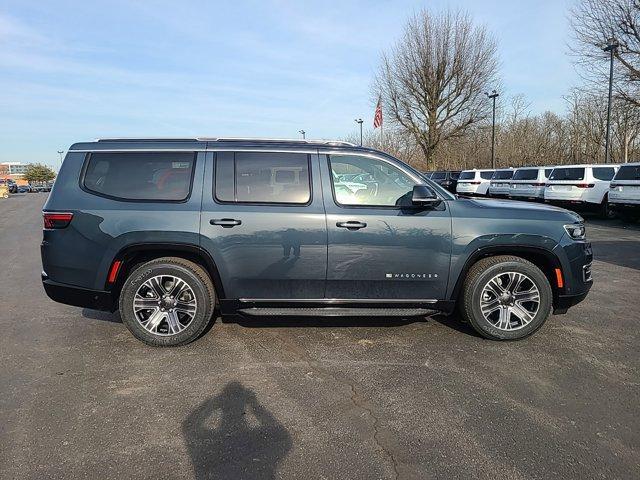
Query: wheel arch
{"points": [[544, 259], [135, 254]]}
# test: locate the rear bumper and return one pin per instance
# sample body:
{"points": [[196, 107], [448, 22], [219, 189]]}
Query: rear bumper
{"points": [[77, 296]]}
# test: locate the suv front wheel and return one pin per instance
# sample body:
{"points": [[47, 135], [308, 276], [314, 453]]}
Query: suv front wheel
{"points": [[167, 302], [506, 298]]}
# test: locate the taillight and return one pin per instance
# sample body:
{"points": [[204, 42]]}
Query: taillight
{"points": [[585, 185], [613, 185], [56, 220], [475, 183], [538, 184]]}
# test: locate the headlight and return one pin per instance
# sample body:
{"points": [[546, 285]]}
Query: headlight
{"points": [[576, 231]]}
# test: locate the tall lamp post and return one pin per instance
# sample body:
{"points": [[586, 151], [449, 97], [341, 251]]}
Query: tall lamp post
{"points": [[60, 152], [493, 95], [359, 121], [303, 133], [611, 47]]}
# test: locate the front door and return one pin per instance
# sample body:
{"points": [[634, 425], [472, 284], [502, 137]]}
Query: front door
{"points": [[263, 223], [376, 249]]}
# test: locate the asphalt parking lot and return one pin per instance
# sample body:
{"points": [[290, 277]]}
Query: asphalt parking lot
{"points": [[326, 399]]}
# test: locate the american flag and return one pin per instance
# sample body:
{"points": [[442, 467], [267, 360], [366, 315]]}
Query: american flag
{"points": [[377, 117]]}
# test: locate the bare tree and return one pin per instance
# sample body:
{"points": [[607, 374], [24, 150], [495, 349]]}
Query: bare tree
{"points": [[594, 22], [431, 82]]}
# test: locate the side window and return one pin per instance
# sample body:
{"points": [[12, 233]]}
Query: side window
{"points": [[262, 177], [153, 176], [547, 172], [603, 173], [377, 183]]}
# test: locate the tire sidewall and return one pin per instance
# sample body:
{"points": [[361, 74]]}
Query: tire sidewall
{"points": [[541, 282], [144, 273]]}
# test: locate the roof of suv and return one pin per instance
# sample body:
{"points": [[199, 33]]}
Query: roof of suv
{"points": [[200, 142]]}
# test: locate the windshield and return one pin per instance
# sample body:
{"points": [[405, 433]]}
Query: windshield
{"points": [[567, 174], [503, 174], [469, 175], [629, 172]]}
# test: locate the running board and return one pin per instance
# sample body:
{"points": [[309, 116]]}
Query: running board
{"points": [[336, 312]]}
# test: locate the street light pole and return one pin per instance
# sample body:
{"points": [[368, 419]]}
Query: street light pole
{"points": [[611, 47], [60, 152], [303, 133], [493, 95], [359, 121]]}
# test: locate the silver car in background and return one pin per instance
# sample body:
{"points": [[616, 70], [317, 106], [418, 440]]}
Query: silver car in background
{"points": [[500, 185], [528, 183]]}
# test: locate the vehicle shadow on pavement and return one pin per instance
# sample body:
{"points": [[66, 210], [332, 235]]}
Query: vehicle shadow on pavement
{"points": [[232, 435], [456, 324], [103, 316], [621, 253]]}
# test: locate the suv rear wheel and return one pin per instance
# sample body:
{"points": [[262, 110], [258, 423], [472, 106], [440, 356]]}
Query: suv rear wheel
{"points": [[167, 302], [506, 298]]}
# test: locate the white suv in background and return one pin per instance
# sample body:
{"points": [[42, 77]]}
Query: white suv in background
{"points": [[474, 182], [581, 186], [528, 183], [501, 182], [624, 191]]}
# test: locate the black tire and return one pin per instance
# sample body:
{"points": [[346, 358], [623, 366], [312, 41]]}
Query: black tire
{"points": [[605, 211], [190, 273], [478, 277]]}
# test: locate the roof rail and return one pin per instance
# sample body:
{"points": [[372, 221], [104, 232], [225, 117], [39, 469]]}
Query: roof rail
{"points": [[275, 140], [225, 139]]}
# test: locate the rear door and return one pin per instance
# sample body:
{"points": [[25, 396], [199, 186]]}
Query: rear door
{"points": [[627, 183], [376, 249], [263, 222]]}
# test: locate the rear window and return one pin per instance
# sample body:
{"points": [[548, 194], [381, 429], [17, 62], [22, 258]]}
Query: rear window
{"points": [[603, 173], [628, 173], [439, 175], [163, 176], [467, 175], [526, 174], [567, 174], [503, 174], [262, 177], [486, 175]]}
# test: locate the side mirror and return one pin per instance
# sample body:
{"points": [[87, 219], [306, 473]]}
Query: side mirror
{"points": [[424, 196]]}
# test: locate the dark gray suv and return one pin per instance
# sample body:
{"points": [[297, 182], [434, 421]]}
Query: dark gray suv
{"points": [[170, 230]]}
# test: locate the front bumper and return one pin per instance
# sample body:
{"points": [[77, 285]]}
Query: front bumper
{"points": [[576, 259], [77, 296]]}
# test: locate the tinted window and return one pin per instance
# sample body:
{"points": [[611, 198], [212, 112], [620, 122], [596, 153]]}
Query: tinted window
{"points": [[603, 173], [486, 175], [628, 173], [526, 174], [567, 174], [503, 174], [467, 175], [547, 172], [262, 177], [141, 176], [383, 184], [439, 176], [454, 175]]}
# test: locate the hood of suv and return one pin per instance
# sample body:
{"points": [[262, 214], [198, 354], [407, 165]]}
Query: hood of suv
{"points": [[524, 210]]}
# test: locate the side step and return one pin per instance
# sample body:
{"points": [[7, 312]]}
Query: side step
{"points": [[336, 312]]}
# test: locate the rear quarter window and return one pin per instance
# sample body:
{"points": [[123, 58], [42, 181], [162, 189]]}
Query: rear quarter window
{"points": [[467, 175], [151, 176], [603, 173]]}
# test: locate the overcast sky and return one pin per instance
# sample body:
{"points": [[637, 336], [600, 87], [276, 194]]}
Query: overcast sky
{"points": [[73, 71]]}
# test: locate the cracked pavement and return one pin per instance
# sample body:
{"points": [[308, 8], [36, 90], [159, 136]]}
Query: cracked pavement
{"points": [[320, 398]]}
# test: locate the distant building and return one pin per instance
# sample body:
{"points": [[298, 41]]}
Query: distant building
{"points": [[14, 168]]}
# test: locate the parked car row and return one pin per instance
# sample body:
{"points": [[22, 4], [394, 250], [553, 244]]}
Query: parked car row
{"points": [[607, 189]]}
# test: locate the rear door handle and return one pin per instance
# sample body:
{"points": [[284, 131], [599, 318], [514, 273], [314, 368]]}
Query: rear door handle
{"points": [[225, 222], [351, 225]]}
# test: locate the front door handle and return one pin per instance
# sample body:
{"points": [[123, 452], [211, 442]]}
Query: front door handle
{"points": [[351, 225], [225, 222]]}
